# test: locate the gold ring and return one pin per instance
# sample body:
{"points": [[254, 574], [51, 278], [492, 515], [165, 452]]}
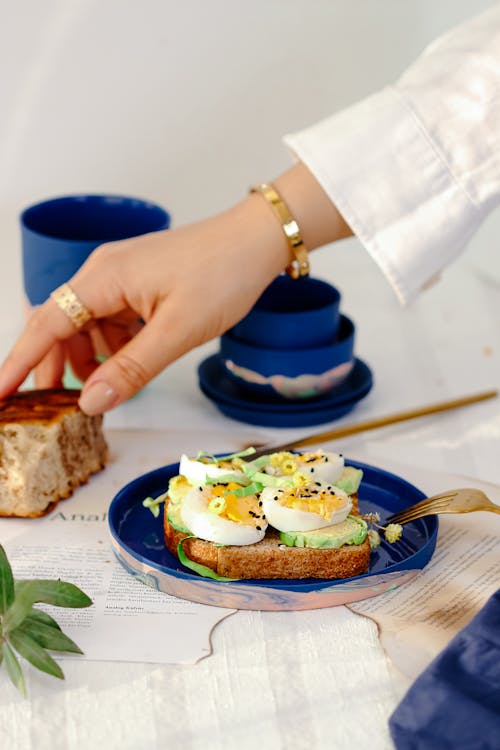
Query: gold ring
{"points": [[71, 305]]}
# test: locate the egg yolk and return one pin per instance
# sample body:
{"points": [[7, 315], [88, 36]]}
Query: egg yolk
{"points": [[245, 510], [321, 502]]}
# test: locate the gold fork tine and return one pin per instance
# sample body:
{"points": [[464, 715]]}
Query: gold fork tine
{"points": [[407, 517], [423, 508], [430, 510]]}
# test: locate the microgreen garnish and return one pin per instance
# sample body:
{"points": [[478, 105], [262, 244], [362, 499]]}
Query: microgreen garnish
{"points": [[30, 631], [250, 489], [202, 570], [153, 503], [228, 457]]}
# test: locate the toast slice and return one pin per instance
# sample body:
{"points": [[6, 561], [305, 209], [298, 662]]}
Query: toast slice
{"points": [[48, 447], [270, 558]]}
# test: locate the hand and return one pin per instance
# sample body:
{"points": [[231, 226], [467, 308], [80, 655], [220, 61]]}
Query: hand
{"points": [[186, 286]]}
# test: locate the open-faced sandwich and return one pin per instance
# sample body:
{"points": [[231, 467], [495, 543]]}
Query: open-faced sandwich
{"points": [[283, 515]]}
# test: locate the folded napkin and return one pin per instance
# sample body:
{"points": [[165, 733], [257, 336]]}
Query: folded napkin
{"points": [[455, 703]]}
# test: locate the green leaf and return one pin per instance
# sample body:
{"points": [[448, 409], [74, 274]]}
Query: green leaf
{"points": [[36, 615], [202, 570], [47, 636], [6, 582], [13, 668], [57, 593], [34, 653]]}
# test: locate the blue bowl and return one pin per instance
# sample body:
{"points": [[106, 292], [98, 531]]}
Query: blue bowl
{"points": [[291, 373], [292, 314]]}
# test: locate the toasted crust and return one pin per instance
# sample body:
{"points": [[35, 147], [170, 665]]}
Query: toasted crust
{"points": [[48, 447], [270, 558], [41, 406]]}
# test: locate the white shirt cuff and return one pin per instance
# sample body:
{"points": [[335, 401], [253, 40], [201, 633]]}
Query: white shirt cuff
{"points": [[393, 186]]}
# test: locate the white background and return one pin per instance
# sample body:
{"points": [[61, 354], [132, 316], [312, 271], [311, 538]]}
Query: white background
{"points": [[185, 103]]}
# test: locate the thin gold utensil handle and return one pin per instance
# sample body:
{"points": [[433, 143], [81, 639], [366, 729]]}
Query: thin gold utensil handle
{"points": [[373, 424]]}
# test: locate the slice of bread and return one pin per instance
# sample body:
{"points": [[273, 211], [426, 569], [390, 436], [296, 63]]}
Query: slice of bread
{"points": [[270, 558], [48, 447]]}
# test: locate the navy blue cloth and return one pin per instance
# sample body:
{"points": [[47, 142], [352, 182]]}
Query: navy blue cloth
{"points": [[455, 703]]}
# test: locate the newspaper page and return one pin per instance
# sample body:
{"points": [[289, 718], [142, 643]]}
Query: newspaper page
{"points": [[128, 620]]}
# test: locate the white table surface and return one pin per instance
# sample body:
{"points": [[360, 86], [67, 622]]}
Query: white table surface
{"points": [[292, 680]]}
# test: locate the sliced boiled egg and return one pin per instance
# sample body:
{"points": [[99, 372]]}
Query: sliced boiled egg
{"points": [[320, 465], [305, 508], [197, 471], [215, 513]]}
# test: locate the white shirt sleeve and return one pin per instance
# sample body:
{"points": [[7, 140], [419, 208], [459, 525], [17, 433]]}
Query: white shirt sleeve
{"points": [[415, 168]]}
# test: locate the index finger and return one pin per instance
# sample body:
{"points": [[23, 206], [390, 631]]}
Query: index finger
{"points": [[45, 327]]}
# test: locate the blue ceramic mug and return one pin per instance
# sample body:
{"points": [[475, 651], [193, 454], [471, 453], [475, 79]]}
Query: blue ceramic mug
{"points": [[59, 234], [292, 314]]}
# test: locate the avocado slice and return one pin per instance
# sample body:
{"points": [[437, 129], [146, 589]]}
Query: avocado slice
{"points": [[350, 479], [351, 531], [174, 518]]}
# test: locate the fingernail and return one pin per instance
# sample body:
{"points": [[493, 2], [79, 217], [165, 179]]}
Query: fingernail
{"points": [[97, 397]]}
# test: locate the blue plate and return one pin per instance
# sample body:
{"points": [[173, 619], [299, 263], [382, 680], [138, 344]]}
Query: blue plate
{"points": [[137, 539], [271, 411]]}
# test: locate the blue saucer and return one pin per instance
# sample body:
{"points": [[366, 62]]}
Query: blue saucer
{"points": [[275, 411]]}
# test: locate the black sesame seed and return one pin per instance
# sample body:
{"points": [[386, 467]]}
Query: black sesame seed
{"points": [[312, 469], [258, 528], [260, 502], [318, 484], [276, 497]]}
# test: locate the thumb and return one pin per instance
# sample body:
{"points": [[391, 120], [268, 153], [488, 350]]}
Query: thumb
{"points": [[133, 366]]}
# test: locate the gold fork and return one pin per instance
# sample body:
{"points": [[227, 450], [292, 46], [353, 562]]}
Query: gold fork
{"points": [[453, 501]]}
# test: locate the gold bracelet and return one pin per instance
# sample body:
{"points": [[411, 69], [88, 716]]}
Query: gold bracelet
{"points": [[300, 264]]}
